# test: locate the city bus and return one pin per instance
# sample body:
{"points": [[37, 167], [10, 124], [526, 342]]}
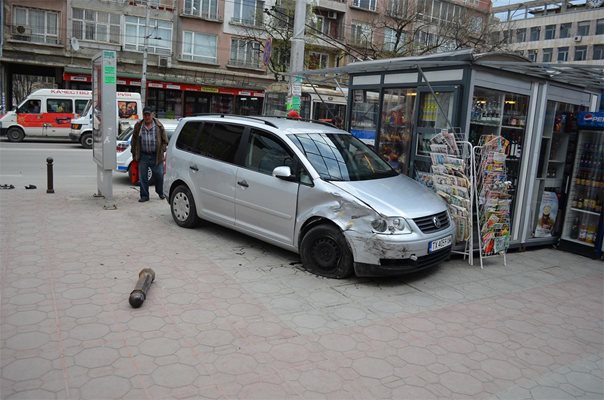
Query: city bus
{"points": [[316, 103]]}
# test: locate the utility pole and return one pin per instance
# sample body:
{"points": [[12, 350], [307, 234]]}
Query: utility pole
{"points": [[296, 61], [145, 51]]}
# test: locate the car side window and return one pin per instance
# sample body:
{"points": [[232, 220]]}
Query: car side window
{"points": [[219, 141], [30, 107], [188, 136], [59, 106], [264, 153], [80, 105]]}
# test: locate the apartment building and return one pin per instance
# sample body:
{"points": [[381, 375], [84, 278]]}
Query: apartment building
{"points": [[555, 31], [200, 56]]}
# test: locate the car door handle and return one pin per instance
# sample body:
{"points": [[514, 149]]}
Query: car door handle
{"points": [[194, 168], [243, 183]]}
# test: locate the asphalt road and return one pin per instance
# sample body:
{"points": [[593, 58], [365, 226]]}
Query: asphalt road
{"points": [[24, 163]]}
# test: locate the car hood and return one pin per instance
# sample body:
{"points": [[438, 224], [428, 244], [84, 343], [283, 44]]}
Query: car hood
{"points": [[395, 196]]}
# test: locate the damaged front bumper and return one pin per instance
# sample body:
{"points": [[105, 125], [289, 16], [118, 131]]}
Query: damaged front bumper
{"points": [[381, 255]]}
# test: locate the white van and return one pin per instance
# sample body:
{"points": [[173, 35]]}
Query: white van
{"points": [[129, 111], [44, 113]]}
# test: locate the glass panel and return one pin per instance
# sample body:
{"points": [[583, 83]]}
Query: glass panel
{"points": [[365, 115], [586, 195], [431, 118], [395, 132]]}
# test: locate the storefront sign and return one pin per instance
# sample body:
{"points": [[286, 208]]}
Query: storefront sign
{"points": [[169, 85]]}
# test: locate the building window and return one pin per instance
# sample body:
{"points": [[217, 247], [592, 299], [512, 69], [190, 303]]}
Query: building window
{"points": [[598, 52], [248, 12], [32, 25], [550, 32], [390, 43], [201, 8], [97, 26], [199, 47], [361, 33], [159, 32], [245, 53], [547, 55], [532, 55], [317, 60], [563, 54], [365, 4], [600, 27], [565, 30], [520, 35], [580, 53], [535, 33], [583, 28]]}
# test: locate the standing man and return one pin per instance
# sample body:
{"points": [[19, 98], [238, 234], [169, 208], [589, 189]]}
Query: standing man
{"points": [[149, 142]]}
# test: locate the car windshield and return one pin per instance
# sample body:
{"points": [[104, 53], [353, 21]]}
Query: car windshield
{"points": [[87, 108], [342, 157], [125, 135]]}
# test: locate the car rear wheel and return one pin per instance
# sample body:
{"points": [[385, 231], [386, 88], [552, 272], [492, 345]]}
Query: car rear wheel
{"points": [[324, 251], [183, 208], [15, 134], [86, 140]]}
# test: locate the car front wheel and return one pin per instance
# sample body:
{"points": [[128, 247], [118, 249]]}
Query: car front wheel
{"points": [[183, 208], [86, 141], [15, 134], [324, 251]]}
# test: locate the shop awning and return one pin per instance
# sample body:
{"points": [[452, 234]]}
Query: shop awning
{"points": [[580, 75]]}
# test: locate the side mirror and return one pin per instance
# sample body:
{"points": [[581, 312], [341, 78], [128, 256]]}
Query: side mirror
{"points": [[284, 173]]}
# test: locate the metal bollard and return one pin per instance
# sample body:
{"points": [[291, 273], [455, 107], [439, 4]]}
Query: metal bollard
{"points": [[49, 189], [138, 295]]}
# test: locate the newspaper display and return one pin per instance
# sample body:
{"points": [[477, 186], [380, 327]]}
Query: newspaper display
{"points": [[449, 178], [494, 199]]}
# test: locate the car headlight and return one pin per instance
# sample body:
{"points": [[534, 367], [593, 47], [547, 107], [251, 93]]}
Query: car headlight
{"points": [[391, 225], [76, 126]]}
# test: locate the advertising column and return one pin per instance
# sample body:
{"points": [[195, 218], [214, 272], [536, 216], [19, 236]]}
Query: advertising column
{"points": [[104, 122]]}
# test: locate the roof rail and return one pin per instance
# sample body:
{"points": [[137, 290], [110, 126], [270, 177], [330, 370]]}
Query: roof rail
{"points": [[222, 115], [316, 121]]}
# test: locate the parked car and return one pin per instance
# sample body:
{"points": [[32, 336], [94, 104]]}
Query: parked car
{"points": [[122, 146], [306, 187]]}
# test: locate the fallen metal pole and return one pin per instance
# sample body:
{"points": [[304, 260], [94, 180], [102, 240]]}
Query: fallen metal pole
{"points": [[138, 295]]}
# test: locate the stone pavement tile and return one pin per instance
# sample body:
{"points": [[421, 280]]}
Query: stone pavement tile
{"points": [[230, 317]]}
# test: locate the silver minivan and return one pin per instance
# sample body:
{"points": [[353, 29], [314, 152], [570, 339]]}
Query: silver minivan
{"points": [[307, 187]]}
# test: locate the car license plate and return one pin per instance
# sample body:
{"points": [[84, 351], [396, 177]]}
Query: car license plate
{"points": [[439, 244]]}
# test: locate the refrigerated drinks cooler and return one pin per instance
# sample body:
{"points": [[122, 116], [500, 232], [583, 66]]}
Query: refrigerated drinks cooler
{"points": [[584, 222]]}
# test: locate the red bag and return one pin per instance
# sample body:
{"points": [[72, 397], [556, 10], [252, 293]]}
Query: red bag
{"points": [[134, 172]]}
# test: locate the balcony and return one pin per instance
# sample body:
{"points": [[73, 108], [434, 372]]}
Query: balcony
{"points": [[212, 16], [247, 64], [335, 5], [254, 23]]}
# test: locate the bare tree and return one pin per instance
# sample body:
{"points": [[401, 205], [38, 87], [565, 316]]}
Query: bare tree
{"points": [[23, 85]]}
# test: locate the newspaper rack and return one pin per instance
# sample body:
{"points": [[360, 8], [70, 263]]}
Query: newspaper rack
{"points": [[451, 177], [492, 197]]}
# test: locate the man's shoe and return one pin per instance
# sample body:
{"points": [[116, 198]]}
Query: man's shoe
{"points": [[142, 200], [161, 196]]}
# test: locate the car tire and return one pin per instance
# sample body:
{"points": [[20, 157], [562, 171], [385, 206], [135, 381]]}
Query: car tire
{"points": [[325, 252], [183, 208], [15, 134], [86, 140]]}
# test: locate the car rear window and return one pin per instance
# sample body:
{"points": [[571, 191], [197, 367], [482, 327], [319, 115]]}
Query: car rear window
{"points": [[220, 141]]}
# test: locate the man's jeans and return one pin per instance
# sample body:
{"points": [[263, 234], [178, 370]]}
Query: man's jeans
{"points": [[148, 161]]}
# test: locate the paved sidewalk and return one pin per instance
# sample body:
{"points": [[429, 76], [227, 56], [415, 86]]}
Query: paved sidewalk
{"points": [[232, 317]]}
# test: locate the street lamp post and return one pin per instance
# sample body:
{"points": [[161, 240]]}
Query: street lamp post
{"points": [[145, 52]]}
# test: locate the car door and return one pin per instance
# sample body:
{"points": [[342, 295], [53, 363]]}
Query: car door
{"points": [[59, 112], [31, 118], [214, 172], [265, 205]]}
